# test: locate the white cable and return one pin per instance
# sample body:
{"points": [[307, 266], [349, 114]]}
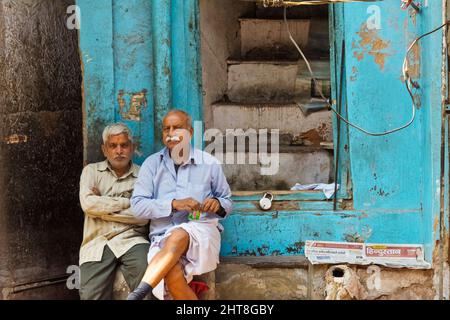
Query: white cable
{"points": [[406, 76]]}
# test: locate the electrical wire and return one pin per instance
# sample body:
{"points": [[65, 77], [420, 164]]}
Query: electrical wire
{"points": [[406, 76]]}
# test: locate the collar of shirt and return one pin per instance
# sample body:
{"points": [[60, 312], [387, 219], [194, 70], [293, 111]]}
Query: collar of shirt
{"points": [[103, 166]]}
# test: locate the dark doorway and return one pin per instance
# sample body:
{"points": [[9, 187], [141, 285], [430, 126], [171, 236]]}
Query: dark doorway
{"points": [[41, 149]]}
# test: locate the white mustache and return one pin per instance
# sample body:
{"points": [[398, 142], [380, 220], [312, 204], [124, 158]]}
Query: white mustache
{"points": [[174, 138]]}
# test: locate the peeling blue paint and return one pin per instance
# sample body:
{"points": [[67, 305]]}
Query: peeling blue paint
{"points": [[134, 45], [394, 183]]}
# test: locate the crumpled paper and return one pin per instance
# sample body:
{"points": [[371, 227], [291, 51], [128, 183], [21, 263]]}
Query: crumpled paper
{"points": [[328, 189]]}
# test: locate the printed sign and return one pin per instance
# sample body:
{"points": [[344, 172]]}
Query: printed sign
{"points": [[392, 255]]}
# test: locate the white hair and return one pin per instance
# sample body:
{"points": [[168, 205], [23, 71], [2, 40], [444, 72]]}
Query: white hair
{"points": [[116, 129]]}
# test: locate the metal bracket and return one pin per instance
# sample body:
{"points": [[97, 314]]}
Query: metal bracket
{"points": [[406, 3], [447, 108]]}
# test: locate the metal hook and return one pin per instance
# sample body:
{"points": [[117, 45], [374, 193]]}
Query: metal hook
{"points": [[406, 3]]}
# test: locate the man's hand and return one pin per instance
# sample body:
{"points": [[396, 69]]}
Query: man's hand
{"points": [[187, 204], [96, 191], [210, 205]]}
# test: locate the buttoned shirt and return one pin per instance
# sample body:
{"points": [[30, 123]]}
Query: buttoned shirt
{"points": [[108, 217], [200, 177]]}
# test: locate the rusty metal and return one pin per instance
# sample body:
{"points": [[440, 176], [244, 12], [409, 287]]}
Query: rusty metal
{"points": [[38, 284], [406, 3], [16, 139]]}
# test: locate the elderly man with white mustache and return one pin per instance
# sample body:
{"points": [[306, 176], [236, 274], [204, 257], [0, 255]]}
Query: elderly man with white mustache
{"points": [[184, 192]]}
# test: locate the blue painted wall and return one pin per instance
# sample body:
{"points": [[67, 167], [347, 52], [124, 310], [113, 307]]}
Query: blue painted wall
{"points": [[149, 51], [140, 58]]}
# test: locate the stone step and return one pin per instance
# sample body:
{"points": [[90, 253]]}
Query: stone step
{"points": [[288, 118], [268, 261], [121, 289], [261, 278], [269, 38], [293, 12], [304, 85], [319, 38], [320, 68], [256, 81], [262, 81], [276, 171], [252, 140]]}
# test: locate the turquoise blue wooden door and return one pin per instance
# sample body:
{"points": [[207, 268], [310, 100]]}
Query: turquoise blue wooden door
{"points": [[400, 171], [140, 59], [395, 179]]}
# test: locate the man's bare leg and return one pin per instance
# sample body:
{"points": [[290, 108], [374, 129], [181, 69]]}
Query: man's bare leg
{"points": [[177, 285], [174, 247]]}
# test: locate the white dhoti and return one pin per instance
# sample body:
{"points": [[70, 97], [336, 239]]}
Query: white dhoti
{"points": [[202, 255]]}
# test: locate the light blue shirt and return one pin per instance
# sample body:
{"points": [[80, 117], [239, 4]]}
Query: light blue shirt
{"points": [[201, 177]]}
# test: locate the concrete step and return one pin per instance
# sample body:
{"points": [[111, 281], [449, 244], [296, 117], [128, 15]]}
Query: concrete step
{"points": [[286, 144], [320, 68], [267, 261], [262, 81], [319, 38], [288, 118], [256, 81], [121, 289], [261, 278], [293, 12], [268, 37], [304, 85], [277, 171]]}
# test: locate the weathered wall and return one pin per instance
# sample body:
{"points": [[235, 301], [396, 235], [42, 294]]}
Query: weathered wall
{"points": [[3, 246], [253, 282], [237, 281], [40, 143]]}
